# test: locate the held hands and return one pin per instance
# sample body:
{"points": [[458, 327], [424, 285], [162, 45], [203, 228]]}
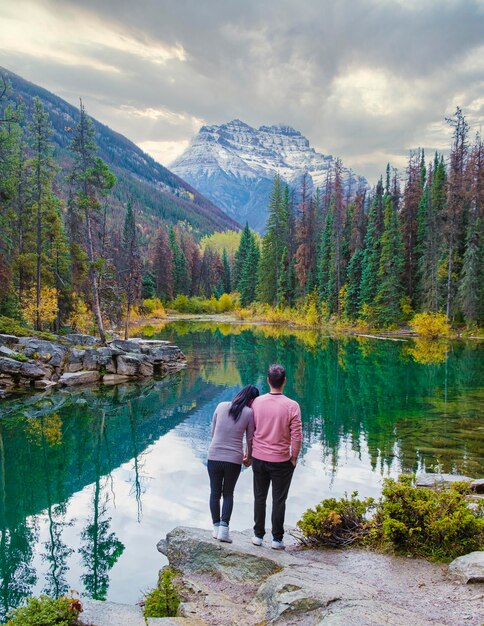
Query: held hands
{"points": [[247, 461]]}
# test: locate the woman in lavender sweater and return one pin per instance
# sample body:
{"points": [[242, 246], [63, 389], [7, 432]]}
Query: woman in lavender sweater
{"points": [[225, 455]]}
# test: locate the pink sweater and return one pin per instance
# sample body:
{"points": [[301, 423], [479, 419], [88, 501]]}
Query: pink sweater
{"points": [[278, 428]]}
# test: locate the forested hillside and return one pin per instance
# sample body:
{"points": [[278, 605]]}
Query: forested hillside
{"points": [[160, 194]]}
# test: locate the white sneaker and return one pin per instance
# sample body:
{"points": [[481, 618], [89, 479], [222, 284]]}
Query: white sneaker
{"points": [[223, 534], [215, 530], [257, 541], [278, 545]]}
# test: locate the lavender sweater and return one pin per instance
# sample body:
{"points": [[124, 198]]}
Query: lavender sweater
{"points": [[227, 435]]}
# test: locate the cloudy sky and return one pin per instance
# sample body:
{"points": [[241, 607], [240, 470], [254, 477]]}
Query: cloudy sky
{"points": [[366, 80]]}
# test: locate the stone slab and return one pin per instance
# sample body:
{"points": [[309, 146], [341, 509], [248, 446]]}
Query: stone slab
{"points": [[440, 480], [100, 613], [79, 378], [469, 568]]}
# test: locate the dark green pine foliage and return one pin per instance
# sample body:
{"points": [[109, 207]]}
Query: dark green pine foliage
{"points": [[180, 268], [390, 290], [240, 256], [372, 249], [471, 287], [353, 284], [286, 287], [326, 266], [148, 286], [226, 273], [275, 240], [247, 283]]}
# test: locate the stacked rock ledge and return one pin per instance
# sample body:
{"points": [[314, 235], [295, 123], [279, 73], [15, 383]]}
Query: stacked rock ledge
{"points": [[76, 359]]}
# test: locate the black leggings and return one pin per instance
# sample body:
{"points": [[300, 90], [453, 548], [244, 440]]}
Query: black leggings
{"points": [[223, 478]]}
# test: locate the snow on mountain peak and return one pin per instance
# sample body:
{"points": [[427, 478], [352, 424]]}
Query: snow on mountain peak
{"points": [[234, 165]]}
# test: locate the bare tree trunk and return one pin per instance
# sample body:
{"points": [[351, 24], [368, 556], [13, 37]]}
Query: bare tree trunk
{"points": [[126, 322], [92, 275], [449, 278], [39, 233]]}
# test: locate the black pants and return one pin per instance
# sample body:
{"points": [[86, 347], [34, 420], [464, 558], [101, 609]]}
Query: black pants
{"points": [[223, 478], [280, 475]]}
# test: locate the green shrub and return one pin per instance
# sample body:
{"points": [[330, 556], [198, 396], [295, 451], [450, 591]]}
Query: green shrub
{"points": [[433, 523], [45, 611], [164, 600], [337, 522]]}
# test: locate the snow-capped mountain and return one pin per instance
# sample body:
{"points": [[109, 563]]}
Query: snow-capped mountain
{"points": [[234, 166]]}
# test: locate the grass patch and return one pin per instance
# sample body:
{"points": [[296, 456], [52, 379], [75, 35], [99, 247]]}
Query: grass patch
{"points": [[163, 600], [9, 326]]}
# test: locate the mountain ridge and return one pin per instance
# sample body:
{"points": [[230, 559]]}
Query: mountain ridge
{"points": [[161, 194], [234, 165]]}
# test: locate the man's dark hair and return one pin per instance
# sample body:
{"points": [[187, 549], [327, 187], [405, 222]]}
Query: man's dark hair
{"points": [[276, 375]]}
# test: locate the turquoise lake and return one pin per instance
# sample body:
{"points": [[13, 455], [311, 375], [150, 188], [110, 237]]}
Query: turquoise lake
{"points": [[92, 478]]}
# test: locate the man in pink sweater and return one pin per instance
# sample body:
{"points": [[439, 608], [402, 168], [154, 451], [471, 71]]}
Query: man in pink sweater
{"points": [[275, 448]]}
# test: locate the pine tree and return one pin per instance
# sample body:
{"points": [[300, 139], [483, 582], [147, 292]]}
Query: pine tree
{"points": [[326, 282], [409, 217], [371, 252], [471, 287], [286, 287], [131, 264], [163, 266], [247, 284], [241, 255], [180, 270], [273, 245], [456, 206], [43, 201], [148, 286], [226, 273], [91, 179], [389, 290]]}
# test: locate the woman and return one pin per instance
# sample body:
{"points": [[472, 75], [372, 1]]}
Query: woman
{"points": [[225, 455]]}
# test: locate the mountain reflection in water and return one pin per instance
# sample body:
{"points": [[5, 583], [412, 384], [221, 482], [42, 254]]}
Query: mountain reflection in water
{"points": [[92, 478]]}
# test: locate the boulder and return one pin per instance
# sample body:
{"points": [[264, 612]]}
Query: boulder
{"points": [[9, 366], [469, 568], [478, 485], [134, 365], [194, 550], [125, 345], [8, 352], [55, 354], [439, 480], [97, 358], [34, 370], [9, 341], [79, 339], [79, 378]]}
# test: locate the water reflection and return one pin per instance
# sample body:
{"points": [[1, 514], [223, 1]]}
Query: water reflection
{"points": [[92, 478]]}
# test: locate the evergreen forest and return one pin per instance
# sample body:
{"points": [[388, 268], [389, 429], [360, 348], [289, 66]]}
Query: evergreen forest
{"points": [[412, 244]]}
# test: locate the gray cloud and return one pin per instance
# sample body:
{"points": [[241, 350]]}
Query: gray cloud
{"points": [[366, 80]]}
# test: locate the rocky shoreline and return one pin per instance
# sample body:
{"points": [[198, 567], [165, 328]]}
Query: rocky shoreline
{"points": [[76, 359], [242, 584]]}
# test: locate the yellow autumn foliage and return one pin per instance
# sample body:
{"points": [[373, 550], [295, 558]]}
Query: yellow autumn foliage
{"points": [[431, 325], [48, 305]]}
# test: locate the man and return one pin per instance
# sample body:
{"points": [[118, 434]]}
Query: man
{"points": [[275, 448]]}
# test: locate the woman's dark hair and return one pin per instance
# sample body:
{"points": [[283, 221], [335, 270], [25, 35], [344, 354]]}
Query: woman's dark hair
{"points": [[242, 399]]}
